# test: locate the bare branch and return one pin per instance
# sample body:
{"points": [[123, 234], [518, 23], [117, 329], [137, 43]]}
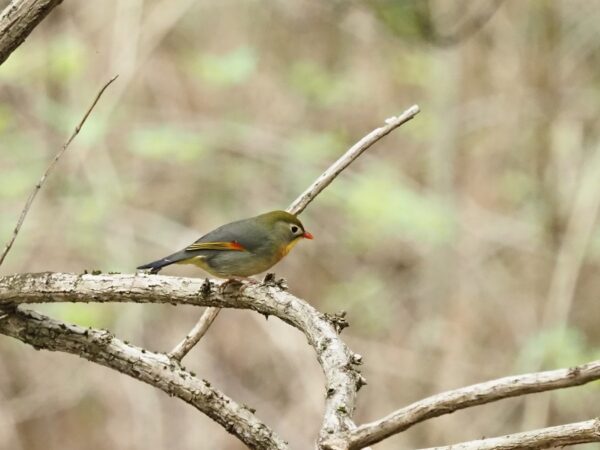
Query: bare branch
{"points": [[18, 20], [346, 159], [155, 369], [39, 184], [551, 437], [450, 401], [195, 334], [337, 361], [298, 205]]}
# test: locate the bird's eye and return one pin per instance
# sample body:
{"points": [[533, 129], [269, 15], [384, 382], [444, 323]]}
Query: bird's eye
{"points": [[294, 229]]}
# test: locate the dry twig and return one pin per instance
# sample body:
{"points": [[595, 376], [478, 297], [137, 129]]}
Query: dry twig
{"points": [[347, 158], [39, 184], [195, 334], [450, 401], [551, 437]]}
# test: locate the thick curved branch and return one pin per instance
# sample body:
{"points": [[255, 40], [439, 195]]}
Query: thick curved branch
{"points": [[19, 19], [336, 360], [450, 401], [153, 368], [551, 437]]}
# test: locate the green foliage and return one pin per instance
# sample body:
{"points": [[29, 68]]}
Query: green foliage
{"points": [[364, 297], [315, 146], [517, 186], [408, 67], [6, 118], [169, 143], [556, 347], [382, 206], [62, 58], [312, 149], [224, 70], [67, 58], [402, 18], [19, 170], [15, 183], [63, 119], [594, 250], [316, 83], [91, 315]]}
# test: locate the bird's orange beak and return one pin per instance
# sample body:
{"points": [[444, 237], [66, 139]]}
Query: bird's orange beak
{"points": [[307, 235]]}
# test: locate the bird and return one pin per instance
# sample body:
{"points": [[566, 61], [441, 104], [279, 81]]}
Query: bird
{"points": [[240, 249]]}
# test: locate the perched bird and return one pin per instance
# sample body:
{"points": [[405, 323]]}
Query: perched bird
{"points": [[239, 249]]}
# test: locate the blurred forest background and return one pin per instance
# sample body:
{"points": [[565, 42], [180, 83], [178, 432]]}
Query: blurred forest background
{"points": [[465, 246]]}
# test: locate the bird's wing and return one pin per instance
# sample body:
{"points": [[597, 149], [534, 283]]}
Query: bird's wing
{"points": [[231, 245], [243, 235]]}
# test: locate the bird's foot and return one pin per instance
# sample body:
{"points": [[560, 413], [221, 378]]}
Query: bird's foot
{"points": [[271, 280]]}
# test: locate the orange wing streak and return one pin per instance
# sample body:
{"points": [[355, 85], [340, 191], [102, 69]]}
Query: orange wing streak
{"points": [[233, 245]]}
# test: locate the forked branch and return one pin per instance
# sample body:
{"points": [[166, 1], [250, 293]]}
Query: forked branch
{"points": [[450, 401], [337, 361]]}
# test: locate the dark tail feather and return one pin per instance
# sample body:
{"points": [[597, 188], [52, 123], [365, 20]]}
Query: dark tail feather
{"points": [[155, 266]]}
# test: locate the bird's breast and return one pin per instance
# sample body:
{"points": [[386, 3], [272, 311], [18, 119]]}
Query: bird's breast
{"points": [[288, 247]]}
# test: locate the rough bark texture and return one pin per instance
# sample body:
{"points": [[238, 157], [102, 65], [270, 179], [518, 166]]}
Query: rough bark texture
{"points": [[19, 19], [448, 402], [155, 369], [341, 379], [552, 437]]}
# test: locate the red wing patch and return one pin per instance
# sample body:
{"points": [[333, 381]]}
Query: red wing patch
{"points": [[232, 245]]}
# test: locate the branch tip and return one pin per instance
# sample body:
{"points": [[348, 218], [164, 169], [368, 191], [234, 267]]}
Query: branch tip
{"points": [[41, 181]]}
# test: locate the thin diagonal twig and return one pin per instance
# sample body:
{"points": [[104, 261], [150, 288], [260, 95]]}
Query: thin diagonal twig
{"points": [[347, 158], [298, 205], [195, 334], [40, 183]]}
